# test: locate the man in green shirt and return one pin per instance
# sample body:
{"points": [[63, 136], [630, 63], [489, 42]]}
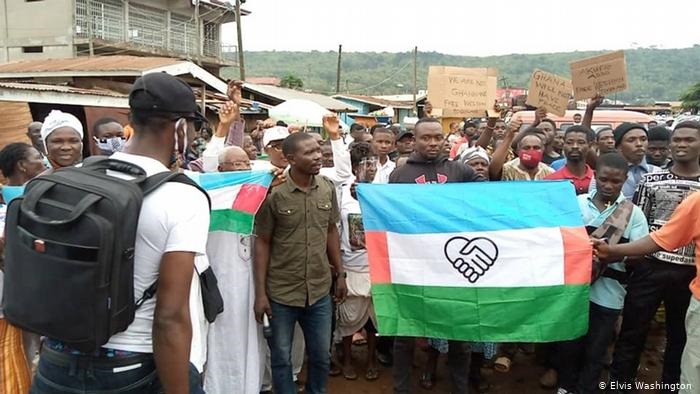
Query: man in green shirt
{"points": [[297, 242]]}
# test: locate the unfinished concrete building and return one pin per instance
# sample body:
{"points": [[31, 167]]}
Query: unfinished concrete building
{"points": [[50, 29]]}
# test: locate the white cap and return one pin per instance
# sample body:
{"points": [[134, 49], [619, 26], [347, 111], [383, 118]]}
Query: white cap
{"points": [[274, 134]]}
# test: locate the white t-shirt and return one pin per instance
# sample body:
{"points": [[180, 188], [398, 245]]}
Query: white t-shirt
{"points": [[173, 218], [353, 251], [383, 172]]}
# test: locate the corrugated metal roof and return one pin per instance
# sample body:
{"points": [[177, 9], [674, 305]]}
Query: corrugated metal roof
{"points": [[373, 100], [60, 89], [285, 94], [88, 64]]}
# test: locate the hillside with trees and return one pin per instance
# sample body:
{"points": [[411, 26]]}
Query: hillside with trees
{"points": [[654, 74]]}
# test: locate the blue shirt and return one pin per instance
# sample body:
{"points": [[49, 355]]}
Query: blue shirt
{"points": [[9, 193], [608, 292], [634, 176], [558, 164]]}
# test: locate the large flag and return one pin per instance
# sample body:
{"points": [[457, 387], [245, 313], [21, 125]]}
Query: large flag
{"points": [[235, 198], [486, 261]]}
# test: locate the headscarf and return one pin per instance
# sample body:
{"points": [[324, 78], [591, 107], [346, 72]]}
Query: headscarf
{"points": [[474, 153], [58, 119]]}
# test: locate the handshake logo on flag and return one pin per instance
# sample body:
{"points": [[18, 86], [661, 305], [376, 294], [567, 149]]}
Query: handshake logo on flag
{"points": [[472, 258]]}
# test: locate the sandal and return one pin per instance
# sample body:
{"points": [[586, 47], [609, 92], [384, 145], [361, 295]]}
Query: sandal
{"points": [[427, 380], [372, 374], [349, 372], [502, 364]]}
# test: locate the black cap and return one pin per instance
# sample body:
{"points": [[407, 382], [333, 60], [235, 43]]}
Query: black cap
{"points": [[623, 129], [404, 133], [163, 93]]}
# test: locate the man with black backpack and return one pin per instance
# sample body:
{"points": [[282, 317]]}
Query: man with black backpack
{"points": [[151, 353]]}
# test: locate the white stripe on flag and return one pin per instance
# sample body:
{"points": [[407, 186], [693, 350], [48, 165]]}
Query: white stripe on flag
{"points": [[526, 258], [222, 198]]}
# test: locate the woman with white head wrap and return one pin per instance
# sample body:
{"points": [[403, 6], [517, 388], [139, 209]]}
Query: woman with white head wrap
{"points": [[478, 159], [62, 134]]}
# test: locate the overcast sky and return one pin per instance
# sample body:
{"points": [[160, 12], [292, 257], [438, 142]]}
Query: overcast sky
{"points": [[461, 27]]}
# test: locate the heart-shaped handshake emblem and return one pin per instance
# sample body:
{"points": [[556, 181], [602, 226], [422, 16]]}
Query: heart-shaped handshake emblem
{"points": [[472, 258]]}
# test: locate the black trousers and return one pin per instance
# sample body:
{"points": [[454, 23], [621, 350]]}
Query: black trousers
{"points": [[582, 359], [651, 283]]}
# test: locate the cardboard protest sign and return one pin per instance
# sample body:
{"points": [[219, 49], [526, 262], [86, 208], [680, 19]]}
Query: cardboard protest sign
{"points": [[462, 92], [550, 91], [599, 75]]}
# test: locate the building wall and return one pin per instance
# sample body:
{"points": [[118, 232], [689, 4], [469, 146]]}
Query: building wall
{"points": [[47, 24]]}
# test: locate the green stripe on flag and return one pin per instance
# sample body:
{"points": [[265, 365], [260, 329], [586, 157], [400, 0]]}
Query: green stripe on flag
{"points": [[502, 314], [232, 221]]}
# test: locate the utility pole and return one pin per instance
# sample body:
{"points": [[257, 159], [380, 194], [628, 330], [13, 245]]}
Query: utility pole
{"points": [[90, 33], [241, 63], [337, 75], [415, 80]]}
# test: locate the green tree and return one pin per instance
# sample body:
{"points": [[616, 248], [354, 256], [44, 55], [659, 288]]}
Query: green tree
{"points": [[292, 82], [691, 99]]}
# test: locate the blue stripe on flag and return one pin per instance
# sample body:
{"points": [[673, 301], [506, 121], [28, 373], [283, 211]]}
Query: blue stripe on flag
{"points": [[475, 206], [217, 180]]}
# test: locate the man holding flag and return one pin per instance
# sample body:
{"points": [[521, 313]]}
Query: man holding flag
{"points": [[428, 165]]}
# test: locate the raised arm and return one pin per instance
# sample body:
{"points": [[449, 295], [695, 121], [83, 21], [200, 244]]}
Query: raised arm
{"points": [[501, 152], [341, 155], [593, 103]]}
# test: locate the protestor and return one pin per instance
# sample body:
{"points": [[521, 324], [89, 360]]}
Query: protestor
{"points": [[428, 165], [34, 135], [239, 369], [156, 345], [250, 148], [577, 119], [665, 276], [293, 283], [682, 229], [358, 132], [108, 136], [478, 159], [605, 140], [582, 360], [233, 158], [528, 165], [19, 163], [62, 134], [357, 312], [326, 152], [658, 148], [383, 142], [257, 135], [405, 142], [577, 140], [631, 142], [552, 149]]}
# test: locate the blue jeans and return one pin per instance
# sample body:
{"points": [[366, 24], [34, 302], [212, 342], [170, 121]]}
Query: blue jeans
{"points": [[583, 359], [83, 378], [315, 322]]}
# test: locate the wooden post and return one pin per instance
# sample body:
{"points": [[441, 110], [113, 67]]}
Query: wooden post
{"points": [[415, 80], [241, 62], [90, 32], [337, 78]]}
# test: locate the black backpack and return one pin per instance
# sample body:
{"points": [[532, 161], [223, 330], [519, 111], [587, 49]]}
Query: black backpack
{"points": [[69, 251]]}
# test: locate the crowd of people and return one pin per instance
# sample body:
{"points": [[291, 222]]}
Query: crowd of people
{"points": [[301, 285]]}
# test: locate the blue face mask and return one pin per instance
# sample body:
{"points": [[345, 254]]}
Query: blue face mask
{"points": [[110, 145]]}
